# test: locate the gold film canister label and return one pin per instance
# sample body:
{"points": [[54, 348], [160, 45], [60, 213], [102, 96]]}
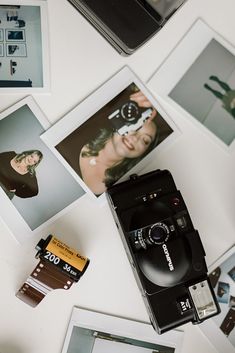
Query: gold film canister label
{"points": [[67, 254]]}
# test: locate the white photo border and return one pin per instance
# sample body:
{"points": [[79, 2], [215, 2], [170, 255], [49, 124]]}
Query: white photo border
{"points": [[120, 327], [208, 327], [11, 217], [178, 62], [46, 84], [92, 104]]}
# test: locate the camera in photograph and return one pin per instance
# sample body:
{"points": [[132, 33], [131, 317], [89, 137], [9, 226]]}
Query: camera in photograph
{"points": [[164, 249], [129, 117]]}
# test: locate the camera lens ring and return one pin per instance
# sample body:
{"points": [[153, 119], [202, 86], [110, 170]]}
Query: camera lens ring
{"points": [[129, 111], [158, 233]]}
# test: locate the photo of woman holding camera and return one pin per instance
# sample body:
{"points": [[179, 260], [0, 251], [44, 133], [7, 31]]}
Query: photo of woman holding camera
{"points": [[101, 153], [17, 173], [110, 155]]}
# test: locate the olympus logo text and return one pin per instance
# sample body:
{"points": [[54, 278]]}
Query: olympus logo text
{"points": [[168, 258]]}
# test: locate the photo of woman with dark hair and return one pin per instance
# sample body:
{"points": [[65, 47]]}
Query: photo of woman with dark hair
{"points": [[110, 155], [114, 139], [18, 174]]}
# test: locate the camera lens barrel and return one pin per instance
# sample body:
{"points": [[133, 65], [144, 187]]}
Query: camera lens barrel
{"points": [[130, 111], [155, 234], [158, 233]]}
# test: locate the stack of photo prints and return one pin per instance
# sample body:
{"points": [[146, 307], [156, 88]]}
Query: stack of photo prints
{"points": [[45, 173]]}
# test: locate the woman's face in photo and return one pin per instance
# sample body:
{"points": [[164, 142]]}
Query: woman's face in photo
{"points": [[135, 143], [32, 159]]}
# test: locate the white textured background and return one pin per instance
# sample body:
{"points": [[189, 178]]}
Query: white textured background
{"points": [[81, 60]]}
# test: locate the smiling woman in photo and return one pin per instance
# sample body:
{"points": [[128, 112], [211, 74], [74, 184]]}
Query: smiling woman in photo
{"points": [[114, 137], [17, 173], [110, 155]]}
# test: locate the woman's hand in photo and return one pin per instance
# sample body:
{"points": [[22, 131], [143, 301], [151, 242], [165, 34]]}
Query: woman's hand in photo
{"points": [[143, 102]]}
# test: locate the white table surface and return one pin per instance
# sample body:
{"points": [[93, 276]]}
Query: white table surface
{"points": [[81, 60]]}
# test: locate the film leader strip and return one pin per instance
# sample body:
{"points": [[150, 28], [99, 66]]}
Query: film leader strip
{"points": [[44, 278]]}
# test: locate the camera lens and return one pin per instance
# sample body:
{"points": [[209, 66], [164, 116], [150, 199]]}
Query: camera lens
{"points": [[158, 233], [130, 111]]}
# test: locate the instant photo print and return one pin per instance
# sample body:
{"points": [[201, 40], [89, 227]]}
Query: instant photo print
{"points": [[127, 24], [109, 123], [220, 330], [94, 332], [31, 200], [223, 292], [24, 47], [202, 89], [164, 250]]}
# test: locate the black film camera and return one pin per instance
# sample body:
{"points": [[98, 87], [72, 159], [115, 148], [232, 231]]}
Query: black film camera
{"points": [[164, 249], [129, 117]]}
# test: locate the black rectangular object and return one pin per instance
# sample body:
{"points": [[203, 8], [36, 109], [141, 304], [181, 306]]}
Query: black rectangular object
{"points": [[164, 250], [126, 24]]}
